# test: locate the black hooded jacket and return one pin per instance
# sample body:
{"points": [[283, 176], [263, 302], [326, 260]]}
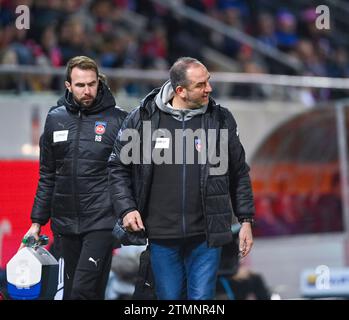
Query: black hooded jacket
{"points": [[221, 195], [74, 150]]}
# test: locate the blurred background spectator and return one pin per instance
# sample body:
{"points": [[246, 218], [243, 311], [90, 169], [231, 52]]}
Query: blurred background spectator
{"points": [[123, 274], [235, 280]]}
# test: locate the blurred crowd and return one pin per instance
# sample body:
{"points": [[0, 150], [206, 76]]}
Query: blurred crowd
{"points": [[147, 35], [290, 213]]}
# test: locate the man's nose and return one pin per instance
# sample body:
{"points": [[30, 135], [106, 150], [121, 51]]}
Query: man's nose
{"points": [[208, 87], [87, 90]]}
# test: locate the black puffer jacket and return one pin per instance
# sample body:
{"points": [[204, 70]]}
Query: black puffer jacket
{"points": [[74, 150], [221, 195]]}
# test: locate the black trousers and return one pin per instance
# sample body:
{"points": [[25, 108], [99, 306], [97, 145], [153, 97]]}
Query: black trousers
{"points": [[87, 261]]}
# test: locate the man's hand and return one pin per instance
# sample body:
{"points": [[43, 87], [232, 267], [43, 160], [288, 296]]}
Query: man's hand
{"points": [[34, 230], [132, 221], [245, 239]]}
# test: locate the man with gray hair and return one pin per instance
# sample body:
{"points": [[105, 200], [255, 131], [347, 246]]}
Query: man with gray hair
{"points": [[185, 178]]}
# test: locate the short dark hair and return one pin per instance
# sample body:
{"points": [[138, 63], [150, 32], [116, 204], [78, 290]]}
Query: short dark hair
{"points": [[178, 71], [81, 62]]}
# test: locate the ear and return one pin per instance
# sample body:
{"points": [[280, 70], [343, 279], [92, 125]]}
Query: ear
{"points": [[67, 85], [180, 91]]}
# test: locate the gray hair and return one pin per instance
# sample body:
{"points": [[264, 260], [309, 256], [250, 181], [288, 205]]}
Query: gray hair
{"points": [[178, 71]]}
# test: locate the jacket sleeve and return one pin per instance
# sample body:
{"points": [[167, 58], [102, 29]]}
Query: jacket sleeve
{"points": [[240, 182], [120, 173], [41, 210]]}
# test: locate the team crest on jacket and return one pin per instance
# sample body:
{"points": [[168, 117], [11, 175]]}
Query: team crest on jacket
{"points": [[198, 144], [100, 127]]}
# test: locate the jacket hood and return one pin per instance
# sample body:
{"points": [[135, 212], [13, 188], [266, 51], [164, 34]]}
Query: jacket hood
{"points": [[104, 100], [165, 94]]}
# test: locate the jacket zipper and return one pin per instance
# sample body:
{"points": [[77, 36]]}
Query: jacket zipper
{"points": [[184, 176], [75, 160], [203, 180]]}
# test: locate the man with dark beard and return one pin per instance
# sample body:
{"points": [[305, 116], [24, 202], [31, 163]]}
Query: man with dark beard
{"points": [[73, 187]]}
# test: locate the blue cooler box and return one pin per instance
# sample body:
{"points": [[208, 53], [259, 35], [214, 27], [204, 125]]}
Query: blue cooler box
{"points": [[32, 274]]}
